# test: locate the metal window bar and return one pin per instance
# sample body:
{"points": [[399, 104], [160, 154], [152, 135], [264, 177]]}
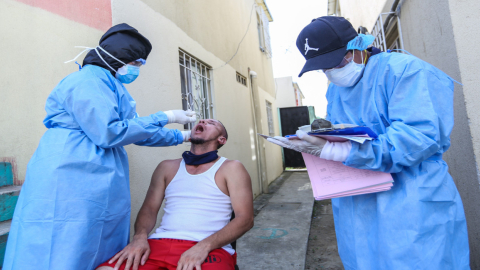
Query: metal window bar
{"points": [[271, 131], [195, 87], [378, 32], [241, 79]]}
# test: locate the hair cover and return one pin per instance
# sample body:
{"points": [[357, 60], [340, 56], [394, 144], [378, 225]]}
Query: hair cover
{"points": [[122, 41]]}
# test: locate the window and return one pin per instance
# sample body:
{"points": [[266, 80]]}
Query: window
{"points": [[271, 131], [241, 79], [263, 32], [196, 87], [387, 32]]}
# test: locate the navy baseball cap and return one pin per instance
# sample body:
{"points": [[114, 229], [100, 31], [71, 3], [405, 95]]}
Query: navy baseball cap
{"points": [[324, 41]]}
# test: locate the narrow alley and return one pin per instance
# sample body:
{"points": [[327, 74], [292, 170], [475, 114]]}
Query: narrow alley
{"points": [[291, 230]]}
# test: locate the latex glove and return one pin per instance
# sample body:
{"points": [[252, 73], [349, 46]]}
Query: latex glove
{"points": [[186, 135], [307, 144], [181, 116], [336, 151]]}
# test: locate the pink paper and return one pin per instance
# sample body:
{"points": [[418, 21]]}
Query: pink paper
{"points": [[362, 191], [345, 194], [332, 179]]}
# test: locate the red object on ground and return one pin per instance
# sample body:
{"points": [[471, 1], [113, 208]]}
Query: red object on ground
{"points": [[165, 254]]}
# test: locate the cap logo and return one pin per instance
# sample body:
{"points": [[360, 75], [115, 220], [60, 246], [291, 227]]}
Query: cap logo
{"points": [[308, 48]]}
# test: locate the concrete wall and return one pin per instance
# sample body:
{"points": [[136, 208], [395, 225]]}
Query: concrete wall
{"points": [[196, 29], [273, 153], [35, 40], [38, 36], [444, 34], [465, 21], [285, 92], [438, 43], [218, 26]]}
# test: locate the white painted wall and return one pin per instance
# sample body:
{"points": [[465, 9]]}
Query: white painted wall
{"points": [[34, 44], [159, 86], [285, 92]]}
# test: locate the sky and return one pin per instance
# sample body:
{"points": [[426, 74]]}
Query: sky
{"points": [[289, 18]]}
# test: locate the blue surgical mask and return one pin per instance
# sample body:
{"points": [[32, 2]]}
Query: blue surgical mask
{"points": [[346, 76], [127, 73]]}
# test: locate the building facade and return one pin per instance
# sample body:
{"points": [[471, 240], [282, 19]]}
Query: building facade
{"points": [[442, 33], [213, 57], [288, 92]]}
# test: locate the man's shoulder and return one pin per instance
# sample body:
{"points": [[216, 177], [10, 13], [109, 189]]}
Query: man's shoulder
{"points": [[171, 161], [167, 169], [233, 169], [169, 164], [231, 164]]}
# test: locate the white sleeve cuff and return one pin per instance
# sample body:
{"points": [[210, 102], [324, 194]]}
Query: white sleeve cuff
{"points": [[186, 135], [336, 151], [170, 116]]}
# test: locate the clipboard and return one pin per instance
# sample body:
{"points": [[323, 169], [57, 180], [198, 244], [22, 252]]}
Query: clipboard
{"points": [[353, 131]]}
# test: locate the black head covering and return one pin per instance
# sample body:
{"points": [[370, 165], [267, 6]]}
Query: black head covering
{"points": [[122, 41]]}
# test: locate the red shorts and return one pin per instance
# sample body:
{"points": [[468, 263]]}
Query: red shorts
{"points": [[165, 254]]}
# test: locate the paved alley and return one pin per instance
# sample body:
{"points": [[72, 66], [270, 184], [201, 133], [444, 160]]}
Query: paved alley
{"points": [[280, 235]]}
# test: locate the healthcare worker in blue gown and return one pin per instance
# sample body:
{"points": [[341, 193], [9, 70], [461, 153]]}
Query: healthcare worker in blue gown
{"points": [[419, 223], [74, 207]]}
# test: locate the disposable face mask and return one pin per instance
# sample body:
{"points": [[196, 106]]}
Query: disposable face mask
{"points": [[346, 76], [127, 73]]}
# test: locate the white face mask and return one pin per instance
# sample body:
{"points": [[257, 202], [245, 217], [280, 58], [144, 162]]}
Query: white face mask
{"points": [[348, 75]]}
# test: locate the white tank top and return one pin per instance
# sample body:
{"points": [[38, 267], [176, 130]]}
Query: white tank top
{"points": [[195, 207]]}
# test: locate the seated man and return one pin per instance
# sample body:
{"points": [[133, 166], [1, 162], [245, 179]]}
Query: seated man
{"points": [[200, 192]]}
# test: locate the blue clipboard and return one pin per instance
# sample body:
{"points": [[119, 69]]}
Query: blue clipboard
{"points": [[345, 131]]}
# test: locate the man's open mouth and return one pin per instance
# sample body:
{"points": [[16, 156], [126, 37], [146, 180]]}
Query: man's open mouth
{"points": [[199, 128]]}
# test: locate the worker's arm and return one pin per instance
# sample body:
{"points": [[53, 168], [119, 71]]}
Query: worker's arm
{"points": [[240, 190], [418, 123], [138, 250], [94, 106]]}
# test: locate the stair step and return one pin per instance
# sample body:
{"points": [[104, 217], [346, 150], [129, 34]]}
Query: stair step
{"points": [[9, 189], [5, 227], [6, 174], [8, 200], [4, 230]]}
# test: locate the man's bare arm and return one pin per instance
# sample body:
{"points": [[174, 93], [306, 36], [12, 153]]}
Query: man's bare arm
{"points": [[147, 216], [240, 189], [138, 250]]}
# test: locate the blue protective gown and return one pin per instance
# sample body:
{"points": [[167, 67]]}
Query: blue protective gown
{"points": [[74, 207], [420, 223]]}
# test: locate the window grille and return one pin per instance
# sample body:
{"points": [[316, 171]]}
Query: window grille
{"points": [[387, 36], [263, 32], [271, 131], [241, 79], [196, 84]]}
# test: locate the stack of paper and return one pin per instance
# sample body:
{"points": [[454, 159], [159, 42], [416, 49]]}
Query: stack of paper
{"points": [[332, 179]]}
